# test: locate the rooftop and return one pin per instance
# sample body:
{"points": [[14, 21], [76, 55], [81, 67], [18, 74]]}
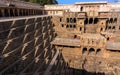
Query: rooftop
{"points": [[98, 2]]}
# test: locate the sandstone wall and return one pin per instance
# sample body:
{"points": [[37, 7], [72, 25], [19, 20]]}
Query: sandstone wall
{"points": [[25, 44]]}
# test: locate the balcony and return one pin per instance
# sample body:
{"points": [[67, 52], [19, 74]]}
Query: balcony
{"points": [[81, 15], [104, 15], [66, 42], [113, 45]]}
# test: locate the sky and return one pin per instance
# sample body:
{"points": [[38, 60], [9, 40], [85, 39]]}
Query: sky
{"points": [[73, 1]]}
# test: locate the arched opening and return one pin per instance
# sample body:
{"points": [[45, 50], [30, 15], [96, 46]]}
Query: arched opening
{"points": [[67, 20], [71, 20], [67, 26], [67, 64], [106, 27], [6, 12], [101, 29], [62, 25], [91, 51], [11, 12], [1, 13], [113, 27], [60, 19], [84, 51], [31, 12], [86, 21], [98, 51], [81, 9], [21, 14], [107, 21], [95, 20], [74, 20], [70, 26], [37, 12], [80, 28], [109, 27], [74, 26], [108, 38], [56, 34], [115, 20], [16, 12], [111, 20], [75, 36], [25, 13], [90, 20]]}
